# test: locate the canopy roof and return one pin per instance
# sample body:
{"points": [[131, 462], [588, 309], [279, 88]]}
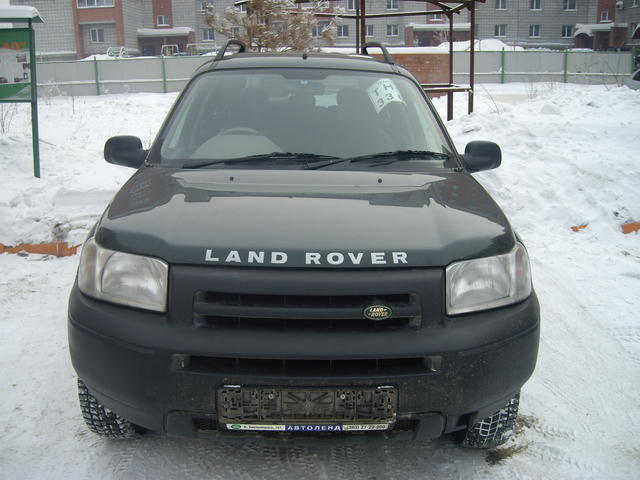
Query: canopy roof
{"points": [[20, 14], [165, 32]]}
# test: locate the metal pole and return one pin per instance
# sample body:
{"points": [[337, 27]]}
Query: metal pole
{"points": [[95, 72], [565, 67], [502, 65], [34, 102], [363, 24], [358, 27], [450, 94], [164, 75], [472, 57]]}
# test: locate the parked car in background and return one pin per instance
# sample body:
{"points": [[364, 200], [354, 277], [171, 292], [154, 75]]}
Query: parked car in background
{"points": [[634, 80]]}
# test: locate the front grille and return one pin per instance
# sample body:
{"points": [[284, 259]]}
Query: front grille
{"points": [[308, 368], [319, 312]]}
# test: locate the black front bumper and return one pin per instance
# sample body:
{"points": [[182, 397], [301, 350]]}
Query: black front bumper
{"points": [[163, 373]]}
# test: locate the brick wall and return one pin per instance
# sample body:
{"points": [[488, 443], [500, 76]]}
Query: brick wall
{"points": [[426, 67], [163, 7]]}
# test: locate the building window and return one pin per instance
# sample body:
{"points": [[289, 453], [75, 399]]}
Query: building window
{"points": [[351, 4], [534, 30], [501, 4], [604, 16], [242, 8], [392, 4], [317, 29], [342, 31], [369, 30], [208, 35], [205, 6], [392, 30], [163, 20], [569, 5], [534, 5], [500, 30], [635, 3], [436, 16], [97, 35], [94, 3], [567, 31]]}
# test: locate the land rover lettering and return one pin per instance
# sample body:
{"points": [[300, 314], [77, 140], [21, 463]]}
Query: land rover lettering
{"points": [[308, 258]]}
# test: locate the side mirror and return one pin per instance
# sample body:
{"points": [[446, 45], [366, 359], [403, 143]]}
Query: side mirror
{"points": [[125, 150], [481, 155]]}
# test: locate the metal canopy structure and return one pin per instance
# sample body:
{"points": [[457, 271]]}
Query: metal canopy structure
{"points": [[449, 9]]}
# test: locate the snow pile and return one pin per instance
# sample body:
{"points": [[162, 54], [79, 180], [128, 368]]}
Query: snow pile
{"points": [[487, 45], [570, 157], [76, 183]]}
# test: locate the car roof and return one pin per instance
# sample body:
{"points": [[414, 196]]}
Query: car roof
{"points": [[339, 61]]}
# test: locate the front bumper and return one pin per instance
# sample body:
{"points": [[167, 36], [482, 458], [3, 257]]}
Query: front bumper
{"points": [[155, 373]]}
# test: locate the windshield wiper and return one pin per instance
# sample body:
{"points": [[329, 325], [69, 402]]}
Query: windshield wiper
{"points": [[261, 156], [398, 154]]}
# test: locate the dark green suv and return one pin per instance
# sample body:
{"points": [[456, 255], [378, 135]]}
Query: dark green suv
{"points": [[303, 253]]}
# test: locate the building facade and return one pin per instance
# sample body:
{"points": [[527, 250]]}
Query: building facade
{"points": [[597, 24], [80, 28]]}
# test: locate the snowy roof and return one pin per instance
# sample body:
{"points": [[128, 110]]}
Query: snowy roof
{"points": [[430, 27], [589, 28], [165, 32], [20, 14]]}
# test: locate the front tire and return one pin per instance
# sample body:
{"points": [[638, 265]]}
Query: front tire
{"points": [[493, 430], [101, 420]]}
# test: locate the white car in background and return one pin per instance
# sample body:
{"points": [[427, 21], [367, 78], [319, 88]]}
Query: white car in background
{"points": [[634, 80]]}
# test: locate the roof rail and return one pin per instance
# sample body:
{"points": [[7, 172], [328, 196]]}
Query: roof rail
{"points": [[385, 52], [233, 41]]}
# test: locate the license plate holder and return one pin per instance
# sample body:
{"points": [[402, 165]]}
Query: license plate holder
{"points": [[307, 409]]}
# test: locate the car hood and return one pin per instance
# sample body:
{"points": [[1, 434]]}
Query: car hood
{"points": [[304, 218]]}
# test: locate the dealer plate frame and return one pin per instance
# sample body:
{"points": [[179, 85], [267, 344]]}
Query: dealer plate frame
{"points": [[307, 409]]}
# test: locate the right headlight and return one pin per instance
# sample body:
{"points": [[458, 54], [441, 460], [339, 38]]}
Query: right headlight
{"points": [[484, 283], [123, 278]]}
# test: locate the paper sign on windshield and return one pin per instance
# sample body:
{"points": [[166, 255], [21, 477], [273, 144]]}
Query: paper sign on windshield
{"points": [[383, 92]]}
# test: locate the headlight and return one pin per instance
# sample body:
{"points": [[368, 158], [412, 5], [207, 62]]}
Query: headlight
{"points": [[123, 278], [490, 282]]}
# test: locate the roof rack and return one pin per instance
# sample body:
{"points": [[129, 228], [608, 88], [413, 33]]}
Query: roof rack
{"points": [[385, 52], [233, 41]]}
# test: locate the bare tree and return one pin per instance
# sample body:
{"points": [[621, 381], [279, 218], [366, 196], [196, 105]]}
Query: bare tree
{"points": [[274, 24]]}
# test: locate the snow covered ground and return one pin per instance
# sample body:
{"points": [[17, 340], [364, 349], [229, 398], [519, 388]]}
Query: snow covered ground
{"points": [[570, 157]]}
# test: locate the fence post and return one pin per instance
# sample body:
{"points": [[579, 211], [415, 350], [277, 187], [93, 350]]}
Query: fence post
{"points": [[95, 71], [164, 75], [565, 68], [502, 65]]}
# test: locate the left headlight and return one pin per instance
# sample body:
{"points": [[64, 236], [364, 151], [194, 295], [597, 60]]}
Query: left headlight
{"points": [[123, 278], [484, 283]]}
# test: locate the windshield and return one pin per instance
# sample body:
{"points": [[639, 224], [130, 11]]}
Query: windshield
{"points": [[333, 113]]}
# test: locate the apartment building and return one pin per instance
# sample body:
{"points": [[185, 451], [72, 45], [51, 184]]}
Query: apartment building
{"points": [[79, 28], [597, 24]]}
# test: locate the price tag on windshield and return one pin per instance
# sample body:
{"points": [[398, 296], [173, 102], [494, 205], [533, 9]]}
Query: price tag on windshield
{"points": [[383, 92]]}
